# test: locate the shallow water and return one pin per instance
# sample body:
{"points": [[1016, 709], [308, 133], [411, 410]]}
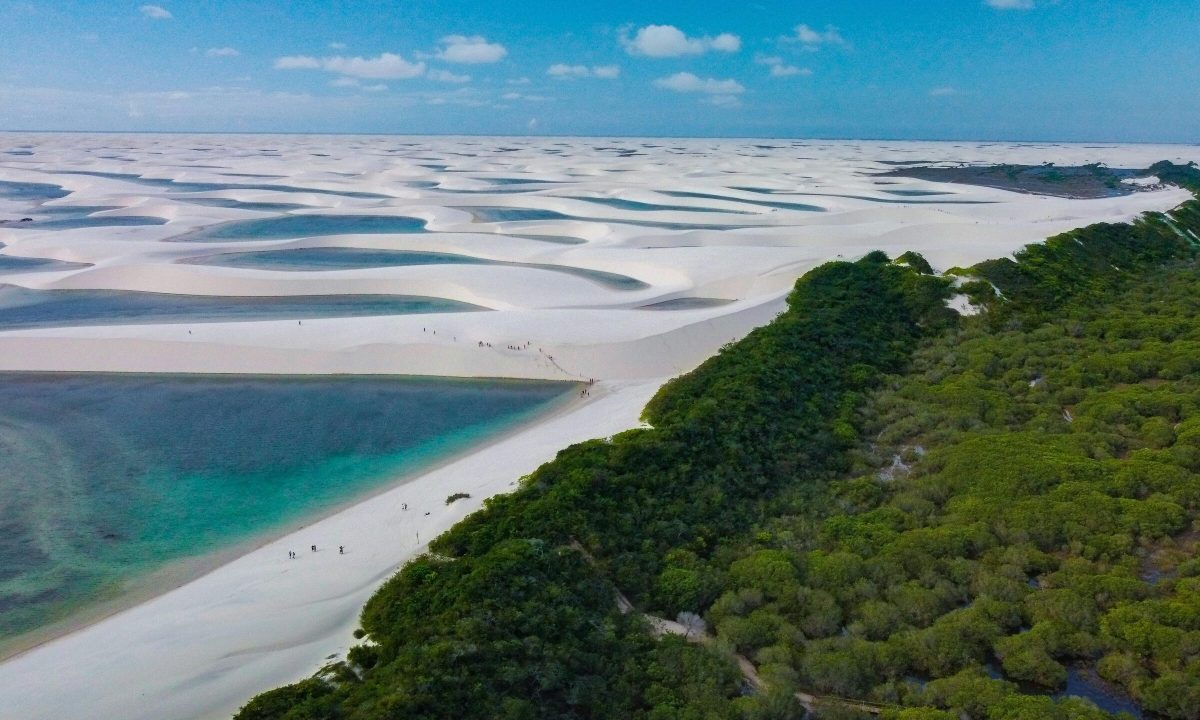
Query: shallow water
{"points": [[1084, 683], [800, 207], [239, 205], [1110, 698], [184, 186], [519, 181], [299, 226], [334, 258], [686, 303], [30, 191], [340, 258], [508, 214], [107, 477], [867, 198], [24, 308], [87, 221], [14, 264], [916, 193], [634, 205]]}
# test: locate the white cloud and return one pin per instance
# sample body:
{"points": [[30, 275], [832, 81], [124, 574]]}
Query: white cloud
{"points": [[464, 96], [473, 50], [813, 39], [943, 91], [222, 52], [156, 12], [337, 46], [564, 71], [349, 82], [297, 62], [519, 81], [662, 41], [388, 66], [1010, 4], [524, 97], [779, 71], [723, 100], [779, 68], [447, 76], [686, 82], [726, 42]]}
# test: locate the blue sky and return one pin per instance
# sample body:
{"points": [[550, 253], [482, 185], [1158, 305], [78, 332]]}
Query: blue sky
{"points": [[937, 69]]}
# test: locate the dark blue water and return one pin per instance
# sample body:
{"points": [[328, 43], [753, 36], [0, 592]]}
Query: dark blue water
{"points": [[339, 258], [1087, 684], [106, 477], [1084, 683], [24, 308], [300, 226]]}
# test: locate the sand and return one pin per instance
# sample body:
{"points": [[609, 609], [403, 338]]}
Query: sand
{"points": [[204, 648]]}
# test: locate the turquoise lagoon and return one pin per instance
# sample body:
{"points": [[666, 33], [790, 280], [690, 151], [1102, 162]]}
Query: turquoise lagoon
{"points": [[342, 258], [22, 308], [105, 479], [288, 227]]}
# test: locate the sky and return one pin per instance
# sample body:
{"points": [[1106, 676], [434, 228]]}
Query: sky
{"points": [[1065, 70]]}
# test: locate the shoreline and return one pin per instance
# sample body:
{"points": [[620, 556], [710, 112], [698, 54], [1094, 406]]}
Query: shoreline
{"points": [[203, 648], [144, 587]]}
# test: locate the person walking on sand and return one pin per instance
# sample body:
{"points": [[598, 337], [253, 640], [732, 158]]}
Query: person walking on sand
{"points": [[314, 548], [341, 549]]}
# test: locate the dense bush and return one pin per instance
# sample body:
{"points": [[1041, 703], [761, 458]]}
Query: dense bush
{"points": [[868, 498]]}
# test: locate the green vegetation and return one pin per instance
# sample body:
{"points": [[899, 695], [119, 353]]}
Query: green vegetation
{"points": [[457, 496], [1078, 181], [870, 498]]}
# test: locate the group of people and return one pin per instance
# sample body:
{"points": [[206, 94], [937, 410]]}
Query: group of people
{"points": [[313, 548], [341, 548]]}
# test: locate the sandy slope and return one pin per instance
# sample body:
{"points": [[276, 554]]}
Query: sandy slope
{"points": [[204, 648]]}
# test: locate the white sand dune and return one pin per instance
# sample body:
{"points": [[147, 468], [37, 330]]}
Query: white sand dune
{"points": [[205, 647]]}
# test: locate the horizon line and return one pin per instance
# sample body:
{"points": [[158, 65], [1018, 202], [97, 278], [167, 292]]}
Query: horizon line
{"points": [[823, 138]]}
